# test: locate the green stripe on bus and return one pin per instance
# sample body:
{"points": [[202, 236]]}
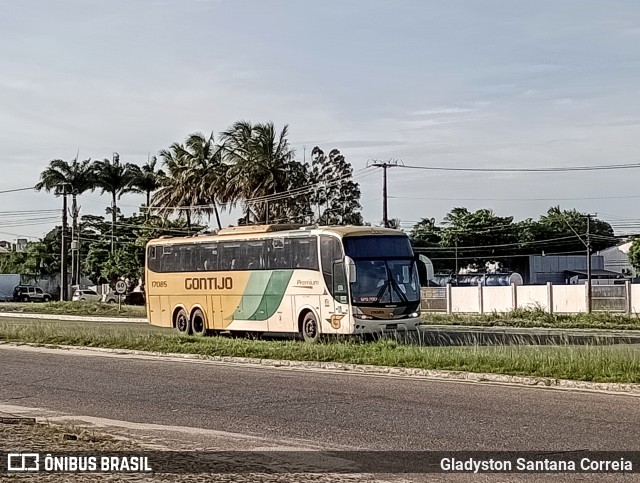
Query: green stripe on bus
{"points": [[252, 295], [273, 294]]}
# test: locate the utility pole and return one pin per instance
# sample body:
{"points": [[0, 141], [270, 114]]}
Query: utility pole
{"points": [[384, 165], [457, 261], [63, 254], [588, 244], [74, 229]]}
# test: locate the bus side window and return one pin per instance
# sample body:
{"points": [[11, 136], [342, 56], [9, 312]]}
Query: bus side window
{"points": [[209, 257], [153, 261], [166, 259], [305, 253], [228, 255], [253, 255], [330, 251], [278, 254]]}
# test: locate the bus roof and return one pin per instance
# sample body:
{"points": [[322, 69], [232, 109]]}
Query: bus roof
{"points": [[272, 231]]}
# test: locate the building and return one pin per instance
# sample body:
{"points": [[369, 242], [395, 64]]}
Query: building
{"points": [[565, 269], [616, 259]]}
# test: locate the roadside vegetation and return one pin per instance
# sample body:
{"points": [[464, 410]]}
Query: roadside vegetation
{"points": [[530, 318], [525, 318], [598, 363], [95, 309]]}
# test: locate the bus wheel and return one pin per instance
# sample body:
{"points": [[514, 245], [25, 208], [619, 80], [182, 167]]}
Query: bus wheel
{"points": [[182, 323], [310, 328], [198, 324]]}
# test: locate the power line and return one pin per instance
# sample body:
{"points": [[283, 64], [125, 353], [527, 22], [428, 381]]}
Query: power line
{"points": [[529, 170], [17, 189], [436, 198]]}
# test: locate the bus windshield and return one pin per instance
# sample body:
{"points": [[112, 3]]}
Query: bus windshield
{"points": [[385, 270], [385, 281]]}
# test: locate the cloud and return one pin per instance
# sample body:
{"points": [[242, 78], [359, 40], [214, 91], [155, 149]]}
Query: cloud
{"points": [[441, 111]]}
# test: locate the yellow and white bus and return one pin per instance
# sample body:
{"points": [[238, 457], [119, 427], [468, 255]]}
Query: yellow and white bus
{"points": [[277, 278]]}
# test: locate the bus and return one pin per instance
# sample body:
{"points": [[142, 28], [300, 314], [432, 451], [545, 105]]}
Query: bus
{"points": [[311, 281]]}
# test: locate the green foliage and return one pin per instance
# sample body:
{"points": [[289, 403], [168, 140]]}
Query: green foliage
{"points": [[126, 262], [94, 262], [13, 262], [77, 177], [196, 180], [634, 254], [425, 233], [261, 164], [474, 238], [335, 193]]}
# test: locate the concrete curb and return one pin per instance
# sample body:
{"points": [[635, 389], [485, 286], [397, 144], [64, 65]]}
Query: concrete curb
{"points": [[475, 377], [81, 318]]}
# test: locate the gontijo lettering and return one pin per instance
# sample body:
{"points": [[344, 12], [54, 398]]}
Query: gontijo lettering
{"points": [[208, 283]]}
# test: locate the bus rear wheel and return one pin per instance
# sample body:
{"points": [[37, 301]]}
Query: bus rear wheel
{"points": [[198, 323], [182, 322], [310, 328]]}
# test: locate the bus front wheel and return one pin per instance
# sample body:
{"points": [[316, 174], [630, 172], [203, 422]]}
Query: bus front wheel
{"points": [[310, 328], [182, 322]]}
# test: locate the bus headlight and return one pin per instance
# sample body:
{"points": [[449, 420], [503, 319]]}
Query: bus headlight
{"points": [[362, 316], [414, 315]]}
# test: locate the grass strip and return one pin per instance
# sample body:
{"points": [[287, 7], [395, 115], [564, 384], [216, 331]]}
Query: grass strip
{"points": [[530, 318], [597, 363], [95, 309]]}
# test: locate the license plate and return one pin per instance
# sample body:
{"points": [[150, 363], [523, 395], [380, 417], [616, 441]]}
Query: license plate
{"points": [[391, 326]]}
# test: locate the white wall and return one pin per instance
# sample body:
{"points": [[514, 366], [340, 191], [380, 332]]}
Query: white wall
{"points": [[465, 299], [497, 299], [566, 298], [532, 296], [569, 298], [635, 298]]}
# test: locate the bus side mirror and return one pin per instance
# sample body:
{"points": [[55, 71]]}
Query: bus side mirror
{"points": [[351, 269], [425, 270]]}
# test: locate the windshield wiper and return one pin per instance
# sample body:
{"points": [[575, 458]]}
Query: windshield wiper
{"points": [[403, 297]]}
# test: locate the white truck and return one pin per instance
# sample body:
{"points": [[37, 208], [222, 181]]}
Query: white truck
{"points": [[8, 281]]}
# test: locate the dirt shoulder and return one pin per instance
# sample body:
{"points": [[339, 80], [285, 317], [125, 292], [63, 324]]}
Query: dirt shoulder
{"points": [[29, 435]]}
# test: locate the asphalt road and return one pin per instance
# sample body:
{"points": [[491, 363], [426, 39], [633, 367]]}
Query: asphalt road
{"points": [[335, 411]]}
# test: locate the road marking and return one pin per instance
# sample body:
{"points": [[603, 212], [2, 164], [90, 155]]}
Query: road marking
{"points": [[65, 418]]}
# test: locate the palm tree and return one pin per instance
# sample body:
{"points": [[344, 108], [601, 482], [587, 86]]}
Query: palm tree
{"points": [[196, 178], [116, 178], [147, 179], [72, 178], [262, 165]]}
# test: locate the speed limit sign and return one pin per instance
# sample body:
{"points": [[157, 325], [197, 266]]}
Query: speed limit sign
{"points": [[121, 287]]}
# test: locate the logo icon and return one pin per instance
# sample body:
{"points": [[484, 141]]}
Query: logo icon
{"points": [[23, 462]]}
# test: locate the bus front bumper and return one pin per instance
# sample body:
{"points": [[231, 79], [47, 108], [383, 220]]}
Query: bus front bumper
{"points": [[378, 326]]}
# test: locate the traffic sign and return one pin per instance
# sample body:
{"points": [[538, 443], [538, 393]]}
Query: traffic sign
{"points": [[121, 287]]}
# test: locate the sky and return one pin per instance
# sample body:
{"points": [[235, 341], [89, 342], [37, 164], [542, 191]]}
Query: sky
{"points": [[477, 83]]}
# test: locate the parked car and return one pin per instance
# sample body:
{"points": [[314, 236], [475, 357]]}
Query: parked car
{"points": [[86, 294], [109, 298], [134, 298], [28, 293]]}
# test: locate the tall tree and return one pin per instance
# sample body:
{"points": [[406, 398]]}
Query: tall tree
{"points": [[335, 193], [634, 254], [116, 178], [263, 172], [73, 178], [195, 181], [425, 233], [147, 179]]}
